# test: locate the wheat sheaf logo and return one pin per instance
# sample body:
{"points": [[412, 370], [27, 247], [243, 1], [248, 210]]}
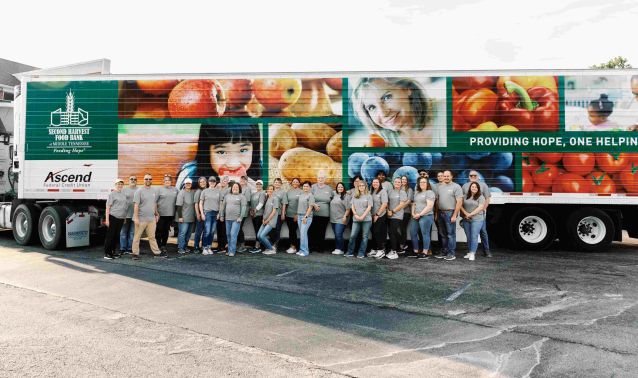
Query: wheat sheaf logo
{"points": [[70, 116]]}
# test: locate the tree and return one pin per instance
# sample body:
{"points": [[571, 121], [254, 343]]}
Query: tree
{"points": [[614, 63]]}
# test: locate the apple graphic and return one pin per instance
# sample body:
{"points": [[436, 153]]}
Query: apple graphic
{"points": [[197, 99], [334, 83], [156, 87], [238, 93], [151, 110], [277, 94]]}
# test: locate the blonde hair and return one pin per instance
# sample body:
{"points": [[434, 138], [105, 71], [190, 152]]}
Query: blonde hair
{"points": [[420, 104], [357, 192]]}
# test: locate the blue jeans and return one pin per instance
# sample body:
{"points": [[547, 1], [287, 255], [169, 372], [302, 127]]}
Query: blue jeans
{"points": [[338, 230], [364, 228], [303, 234], [184, 235], [126, 235], [424, 226], [262, 235], [232, 231], [209, 227], [472, 231], [448, 244], [199, 231], [485, 241]]}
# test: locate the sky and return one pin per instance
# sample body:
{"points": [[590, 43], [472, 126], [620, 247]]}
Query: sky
{"points": [[325, 35]]}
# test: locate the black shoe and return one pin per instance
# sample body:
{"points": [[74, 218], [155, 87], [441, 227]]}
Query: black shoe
{"points": [[440, 256], [422, 256], [127, 252], [410, 253], [487, 254], [109, 257], [135, 257], [160, 256]]}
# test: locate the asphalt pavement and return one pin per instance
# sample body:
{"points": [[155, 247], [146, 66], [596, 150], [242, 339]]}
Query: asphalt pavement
{"points": [[551, 313]]}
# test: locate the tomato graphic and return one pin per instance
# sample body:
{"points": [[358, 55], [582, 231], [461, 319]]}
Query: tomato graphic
{"points": [[579, 163], [601, 182], [530, 163], [612, 163], [571, 183], [528, 182], [549, 157], [629, 178], [544, 175]]}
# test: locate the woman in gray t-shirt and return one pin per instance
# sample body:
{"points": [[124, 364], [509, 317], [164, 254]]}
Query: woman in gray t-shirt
{"points": [[397, 201], [234, 209], [379, 218], [473, 218], [116, 207], [304, 217], [361, 206], [269, 221], [339, 211], [257, 201], [407, 216], [423, 216]]}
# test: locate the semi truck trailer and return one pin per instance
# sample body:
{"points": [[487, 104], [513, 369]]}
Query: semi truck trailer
{"points": [[558, 148]]}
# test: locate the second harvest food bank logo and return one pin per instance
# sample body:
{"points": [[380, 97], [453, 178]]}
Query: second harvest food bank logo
{"points": [[69, 128]]}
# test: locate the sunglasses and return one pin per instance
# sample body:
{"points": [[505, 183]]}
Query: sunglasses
{"points": [[132, 179], [473, 175], [148, 179]]}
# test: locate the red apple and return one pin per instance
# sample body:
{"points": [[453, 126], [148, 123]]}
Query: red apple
{"points": [[238, 92], [156, 87], [277, 94], [197, 99], [151, 110], [334, 83]]}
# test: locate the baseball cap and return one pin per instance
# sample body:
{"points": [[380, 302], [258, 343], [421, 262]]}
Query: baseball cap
{"points": [[259, 182], [118, 180], [188, 181], [212, 178]]}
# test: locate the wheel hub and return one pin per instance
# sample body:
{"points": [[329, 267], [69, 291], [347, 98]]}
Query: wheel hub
{"points": [[591, 230]]}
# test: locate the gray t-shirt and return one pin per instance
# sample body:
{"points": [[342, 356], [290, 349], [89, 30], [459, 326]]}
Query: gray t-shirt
{"points": [[255, 199], [166, 198], [338, 207], [212, 198], [448, 194], [272, 203], [146, 200], [485, 190], [117, 204], [291, 200], [129, 193], [470, 205], [247, 192], [395, 197], [387, 185], [360, 205], [305, 200], [420, 200], [186, 199], [379, 199], [234, 206], [322, 195]]}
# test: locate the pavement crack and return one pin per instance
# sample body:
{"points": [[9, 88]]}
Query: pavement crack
{"points": [[537, 348]]}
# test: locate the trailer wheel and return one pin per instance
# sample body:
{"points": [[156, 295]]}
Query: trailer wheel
{"points": [[24, 221], [52, 226], [532, 228], [590, 230]]}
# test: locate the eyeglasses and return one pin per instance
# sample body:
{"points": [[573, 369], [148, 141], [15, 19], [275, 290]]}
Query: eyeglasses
{"points": [[148, 179], [132, 179], [473, 175]]}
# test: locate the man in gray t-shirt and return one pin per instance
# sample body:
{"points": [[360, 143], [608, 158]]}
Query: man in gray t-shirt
{"points": [[166, 196], [145, 216], [128, 228], [485, 191], [185, 208], [449, 202]]}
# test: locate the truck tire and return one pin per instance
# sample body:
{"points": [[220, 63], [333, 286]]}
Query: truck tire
{"points": [[532, 228], [52, 227], [590, 230], [24, 222]]}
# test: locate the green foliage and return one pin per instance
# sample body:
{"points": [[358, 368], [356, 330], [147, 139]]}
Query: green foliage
{"points": [[618, 62]]}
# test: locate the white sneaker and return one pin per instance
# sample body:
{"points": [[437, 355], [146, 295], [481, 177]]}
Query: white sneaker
{"points": [[207, 251], [380, 254], [337, 252], [291, 250], [467, 255], [393, 255], [269, 252], [471, 258], [373, 253]]}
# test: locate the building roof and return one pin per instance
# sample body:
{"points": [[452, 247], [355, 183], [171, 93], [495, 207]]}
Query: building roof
{"points": [[8, 68]]}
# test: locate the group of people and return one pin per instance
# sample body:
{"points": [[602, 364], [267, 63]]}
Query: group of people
{"points": [[380, 211]]}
